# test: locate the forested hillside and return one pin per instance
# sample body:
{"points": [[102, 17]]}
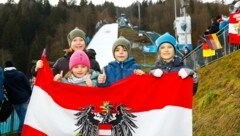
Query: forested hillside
{"points": [[31, 25]]}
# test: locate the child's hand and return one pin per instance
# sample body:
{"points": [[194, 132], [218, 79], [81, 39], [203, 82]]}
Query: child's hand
{"points": [[138, 72], [89, 81], [185, 72], [102, 77], [58, 77], [158, 72], [39, 64]]}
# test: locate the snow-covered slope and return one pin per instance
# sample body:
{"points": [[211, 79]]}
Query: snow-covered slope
{"points": [[102, 43]]}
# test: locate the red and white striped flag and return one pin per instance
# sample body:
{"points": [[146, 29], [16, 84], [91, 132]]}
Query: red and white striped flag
{"points": [[138, 106], [234, 28]]}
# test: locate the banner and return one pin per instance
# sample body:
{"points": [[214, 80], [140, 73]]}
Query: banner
{"points": [[234, 28], [137, 105]]}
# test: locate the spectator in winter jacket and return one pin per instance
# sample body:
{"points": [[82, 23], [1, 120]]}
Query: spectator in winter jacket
{"points": [[214, 27], [122, 67], [168, 62], [79, 71], [91, 55], [1, 85], [18, 90], [76, 40]]}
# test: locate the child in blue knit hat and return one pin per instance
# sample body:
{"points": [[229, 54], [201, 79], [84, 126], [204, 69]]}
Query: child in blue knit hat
{"points": [[168, 62]]}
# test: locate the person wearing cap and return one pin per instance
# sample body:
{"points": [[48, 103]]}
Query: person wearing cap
{"points": [[18, 90], [79, 71], [76, 41], [122, 67], [167, 61]]}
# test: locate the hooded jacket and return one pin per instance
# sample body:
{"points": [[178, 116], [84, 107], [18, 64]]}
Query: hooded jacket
{"points": [[116, 71], [17, 86]]}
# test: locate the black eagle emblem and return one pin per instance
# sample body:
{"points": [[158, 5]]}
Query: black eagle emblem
{"points": [[122, 121], [88, 125]]}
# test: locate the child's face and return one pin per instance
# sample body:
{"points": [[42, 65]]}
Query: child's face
{"points": [[78, 43], [79, 70], [120, 53], [166, 52]]}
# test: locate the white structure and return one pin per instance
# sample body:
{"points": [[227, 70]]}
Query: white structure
{"points": [[102, 43], [182, 26], [183, 31]]}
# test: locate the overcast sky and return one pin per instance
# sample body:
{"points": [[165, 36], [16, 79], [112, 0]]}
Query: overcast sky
{"points": [[121, 3]]}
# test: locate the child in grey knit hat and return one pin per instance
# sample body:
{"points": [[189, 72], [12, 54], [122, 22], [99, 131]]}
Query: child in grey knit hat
{"points": [[122, 67], [76, 41]]}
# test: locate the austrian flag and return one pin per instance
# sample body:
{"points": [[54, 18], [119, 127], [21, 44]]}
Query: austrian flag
{"points": [[234, 28], [137, 106]]}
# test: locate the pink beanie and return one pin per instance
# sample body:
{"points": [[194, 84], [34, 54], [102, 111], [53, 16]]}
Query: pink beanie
{"points": [[79, 57]]}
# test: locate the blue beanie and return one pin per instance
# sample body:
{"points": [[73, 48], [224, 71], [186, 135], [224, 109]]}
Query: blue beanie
{"points": [[166, 38]]}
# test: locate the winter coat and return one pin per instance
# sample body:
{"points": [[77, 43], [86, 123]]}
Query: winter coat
{"points": [[116, 71], [1, 84], [213, 28], [17, 86], [82, 82], [63, 64], [223, 26], [174, 66]]}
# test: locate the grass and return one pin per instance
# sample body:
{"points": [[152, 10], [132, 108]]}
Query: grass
{"points": [[217, 103]]}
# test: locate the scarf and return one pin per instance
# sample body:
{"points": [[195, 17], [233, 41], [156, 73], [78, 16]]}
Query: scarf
{"points": [[76, 80]]}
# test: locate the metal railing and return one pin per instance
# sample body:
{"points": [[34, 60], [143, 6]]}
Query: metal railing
{"points": [[195, 59]]}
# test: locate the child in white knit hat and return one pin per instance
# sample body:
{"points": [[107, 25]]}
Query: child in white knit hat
{"points": [[168, 62], [122, 67], [79, 71]]}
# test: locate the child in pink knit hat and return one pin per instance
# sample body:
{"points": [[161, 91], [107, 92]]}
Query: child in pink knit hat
{"points": [[79, 71]]}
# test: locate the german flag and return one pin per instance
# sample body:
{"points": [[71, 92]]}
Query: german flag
{"points": [[207, 51], [213, 41]]}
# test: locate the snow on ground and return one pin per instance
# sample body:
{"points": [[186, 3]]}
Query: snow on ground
{"points": [[102, 43]]}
